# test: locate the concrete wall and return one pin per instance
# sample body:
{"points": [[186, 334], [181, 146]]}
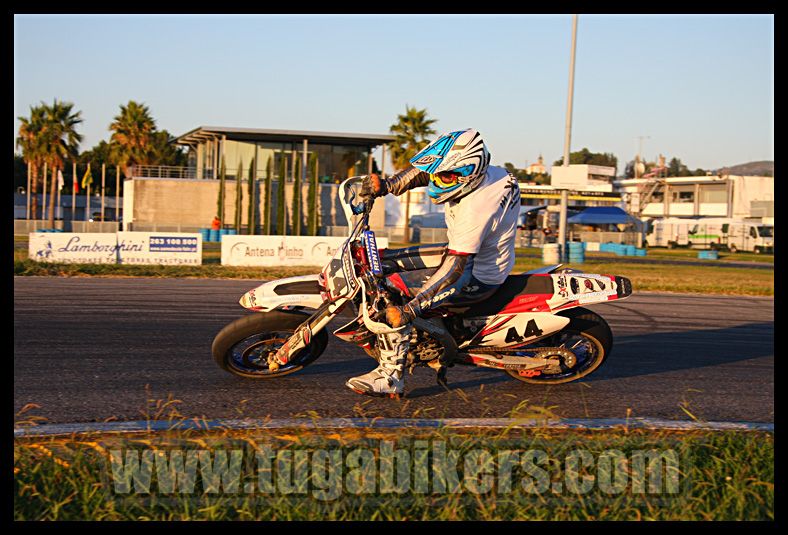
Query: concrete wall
{"points": [[189, 203]]}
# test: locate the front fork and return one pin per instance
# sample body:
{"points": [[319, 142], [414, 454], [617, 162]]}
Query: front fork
{"points": [[304, 332]]}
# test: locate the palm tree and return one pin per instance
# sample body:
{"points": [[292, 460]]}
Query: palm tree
{"points": [[61, 143], [412, 132], [30, 140], [132, 136]]}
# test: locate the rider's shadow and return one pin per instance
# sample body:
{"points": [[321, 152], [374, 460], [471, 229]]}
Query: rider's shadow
{"points": [[662, 352], [632, 356]]}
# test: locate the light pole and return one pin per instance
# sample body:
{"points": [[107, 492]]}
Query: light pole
{"points": [[640, 150], [567, 139]]}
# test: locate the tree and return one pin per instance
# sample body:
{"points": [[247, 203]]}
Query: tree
{"points": [[31, 142], [220, 201], [132, 136], [296, 195], [411, 134], [60, 143], [280, 198], [312, 217], [267, 204], [164, 152], [20, 172], [239, 197], [629, 170], [676, 168], [250, 191], [585, 156]]}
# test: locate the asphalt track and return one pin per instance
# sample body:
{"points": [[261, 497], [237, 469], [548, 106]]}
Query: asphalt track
{"points": [[104, 349]]}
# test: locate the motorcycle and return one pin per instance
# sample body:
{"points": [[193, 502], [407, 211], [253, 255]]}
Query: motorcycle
{"points": [[533, 328]]}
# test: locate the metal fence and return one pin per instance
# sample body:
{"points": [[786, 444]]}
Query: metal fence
{"points": [[396, 234], [26, 226], [628, 238], [164, 171], [163, 227]]}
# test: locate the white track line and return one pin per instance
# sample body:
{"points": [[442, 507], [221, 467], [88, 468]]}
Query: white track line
{"points": [[384, 423]]}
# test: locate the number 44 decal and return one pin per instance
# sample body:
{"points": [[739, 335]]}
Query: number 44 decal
{"points": [[531, 330]]}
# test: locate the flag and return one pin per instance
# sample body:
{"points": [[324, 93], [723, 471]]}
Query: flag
{"points": [[87, 179], [76, 182], [60, 181]]}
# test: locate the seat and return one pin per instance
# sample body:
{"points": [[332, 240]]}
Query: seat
{"points": [[408, 283], [514, 285]]}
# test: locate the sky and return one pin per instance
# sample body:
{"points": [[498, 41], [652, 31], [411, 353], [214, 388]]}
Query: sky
{"points": [[696, 87]]}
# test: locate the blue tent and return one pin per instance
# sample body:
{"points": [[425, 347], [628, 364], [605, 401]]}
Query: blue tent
{"points": [[602, 215]]}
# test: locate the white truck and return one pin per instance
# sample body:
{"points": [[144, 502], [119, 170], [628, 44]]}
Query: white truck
{"points": [[711, 233]]}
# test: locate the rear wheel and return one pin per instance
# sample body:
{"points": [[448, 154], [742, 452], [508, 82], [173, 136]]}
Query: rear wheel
{"points": [[242, 347], [587, 335]]}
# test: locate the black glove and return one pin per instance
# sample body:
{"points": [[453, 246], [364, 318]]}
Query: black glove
{"points": [[373, 186]]}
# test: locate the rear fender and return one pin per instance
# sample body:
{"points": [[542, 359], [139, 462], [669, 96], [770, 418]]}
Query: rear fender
{"points": [[303, 291], [574, 289]]}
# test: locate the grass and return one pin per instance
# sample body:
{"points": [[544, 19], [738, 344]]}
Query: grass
{"points": [[721, 476], [645, 277]]}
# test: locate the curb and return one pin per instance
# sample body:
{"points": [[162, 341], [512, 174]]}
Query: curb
{"points": [[385, 423]]}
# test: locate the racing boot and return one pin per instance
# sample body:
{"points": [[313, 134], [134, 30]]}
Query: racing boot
{"points": [[388, 379]]}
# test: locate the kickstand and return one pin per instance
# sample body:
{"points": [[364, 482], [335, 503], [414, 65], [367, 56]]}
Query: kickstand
{"points": [[441, 377]]}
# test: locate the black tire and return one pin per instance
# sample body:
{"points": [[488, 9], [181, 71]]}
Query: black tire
{"points": [[236, 343], [589, 326]]}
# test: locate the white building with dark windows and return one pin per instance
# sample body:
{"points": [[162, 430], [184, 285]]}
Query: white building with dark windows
{"points": [[738, 197]]}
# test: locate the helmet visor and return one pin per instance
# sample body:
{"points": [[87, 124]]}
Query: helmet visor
{"points": [[445, 179]]}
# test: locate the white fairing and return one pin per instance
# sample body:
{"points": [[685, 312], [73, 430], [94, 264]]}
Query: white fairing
{"points": [[505, 330], [263, 298]]}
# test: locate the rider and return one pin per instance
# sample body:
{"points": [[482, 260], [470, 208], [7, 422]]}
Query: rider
{"points": [[482, 208]]}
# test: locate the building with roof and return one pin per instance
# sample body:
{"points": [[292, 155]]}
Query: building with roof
{"points": [[740, 197], [537, 168], [187, 197]]}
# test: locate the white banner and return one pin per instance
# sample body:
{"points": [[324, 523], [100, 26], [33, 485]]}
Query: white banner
{"points": [[171, 248], [71, 247], [167, 248], [239, 250]]}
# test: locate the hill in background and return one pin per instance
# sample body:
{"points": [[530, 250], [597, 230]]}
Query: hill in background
{"points": [[763, 168]]}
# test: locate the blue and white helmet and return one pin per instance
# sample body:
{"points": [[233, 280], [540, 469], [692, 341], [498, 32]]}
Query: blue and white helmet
{"points": [[456, 161]]}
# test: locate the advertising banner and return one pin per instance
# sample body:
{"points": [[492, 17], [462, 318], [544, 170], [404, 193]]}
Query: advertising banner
{"points": [[164, 248], [73, 248], [168, 248], [239, 250]]}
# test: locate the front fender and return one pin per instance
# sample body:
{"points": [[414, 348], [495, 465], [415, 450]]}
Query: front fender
{"points": [[301, 291]]}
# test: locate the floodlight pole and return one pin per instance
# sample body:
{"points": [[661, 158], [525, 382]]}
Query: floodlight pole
{"points": [[567, 139]]}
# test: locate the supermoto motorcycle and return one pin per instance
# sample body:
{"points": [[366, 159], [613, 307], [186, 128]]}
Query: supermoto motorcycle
{"points": [[532, 328]]}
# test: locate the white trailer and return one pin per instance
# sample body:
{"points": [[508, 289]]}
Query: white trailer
{"points": [[669, 232], [711, 233]]}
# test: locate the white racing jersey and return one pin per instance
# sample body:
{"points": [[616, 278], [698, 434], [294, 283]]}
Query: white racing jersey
{"points": [[484, 223]]}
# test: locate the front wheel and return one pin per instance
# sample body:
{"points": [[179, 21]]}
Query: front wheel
{"points": [[587, 335], [242, 347]]}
